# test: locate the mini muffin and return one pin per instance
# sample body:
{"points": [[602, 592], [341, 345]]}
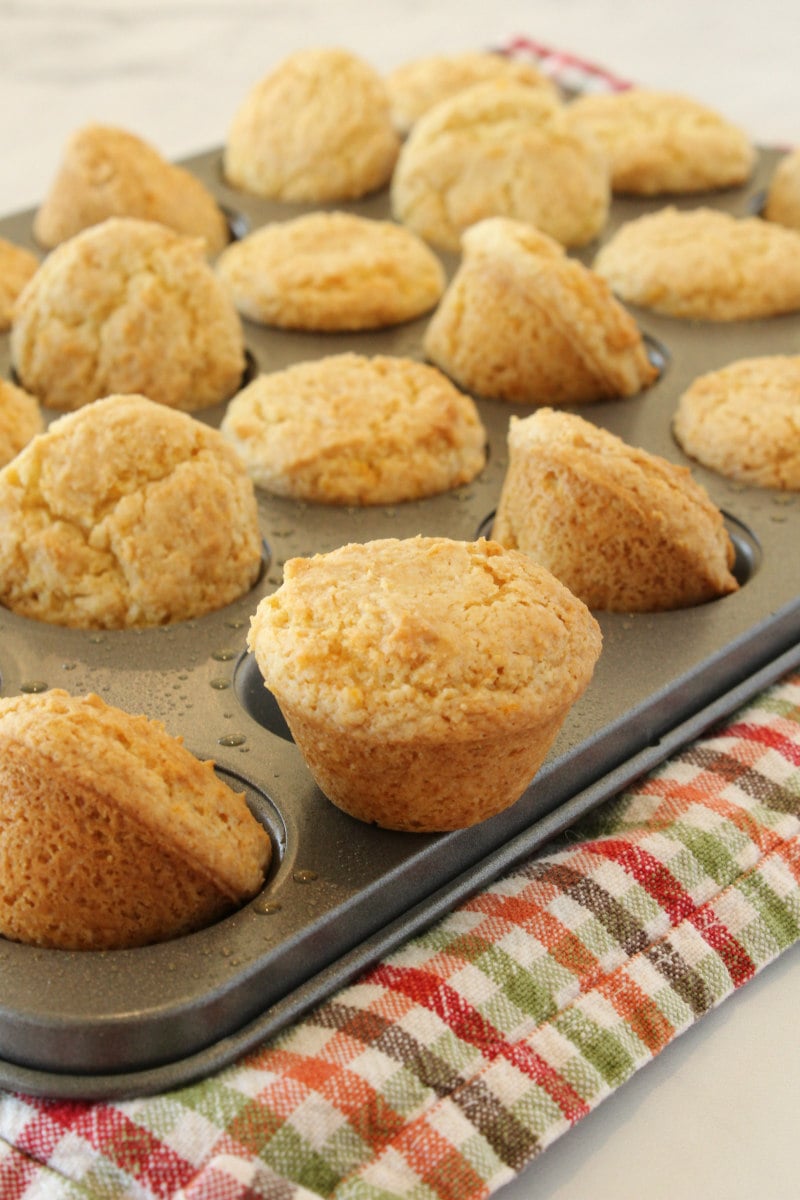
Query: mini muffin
{"points": [[332, 271], [782, 202], [354, 430], [126, 513], [664, 142], [415, 86], [127, 306], [500, 149], [17, 266], [743, 421], [20, 420], [625, 530], [523, 322], [704, 264], [108, 172], [424, 679], [317, 128], [112, 834]]}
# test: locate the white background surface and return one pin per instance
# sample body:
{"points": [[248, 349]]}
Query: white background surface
{"points": [[175, 70], [715, 1117]]}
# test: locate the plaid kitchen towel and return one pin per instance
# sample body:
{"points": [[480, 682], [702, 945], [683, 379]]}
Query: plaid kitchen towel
{"points": [[455, 1061], [570, 71]]}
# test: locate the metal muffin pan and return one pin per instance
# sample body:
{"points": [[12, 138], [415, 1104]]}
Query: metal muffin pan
{"points": [[340, 893]]}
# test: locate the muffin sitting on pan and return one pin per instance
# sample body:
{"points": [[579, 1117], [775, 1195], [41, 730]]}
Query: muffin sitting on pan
{"points": [[500, 149], [348, 429], [523, 322], [331, 272], [20, 420], [17, 266], [782, 202], [316, 129], [664, 142], [625, 530], [112, 834], [109, 172], [704, 264], [126, 513], [743, 421], [127, 306], [424, 679]]}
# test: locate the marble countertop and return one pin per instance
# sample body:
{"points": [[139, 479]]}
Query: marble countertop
{"points": [[715, 1115]]}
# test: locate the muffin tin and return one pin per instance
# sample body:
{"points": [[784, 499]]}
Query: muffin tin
{"points": [[341, 894]]}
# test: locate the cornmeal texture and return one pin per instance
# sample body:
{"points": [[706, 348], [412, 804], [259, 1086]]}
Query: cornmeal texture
{"points": [[500, 149], [625, 530], [20, 420], [317, 128], [349, 429], [664, 142], [112, 834], [126, 513], [128, 306], [423, 679], [782, 202], [523, 322], [743, 421], [17, 266], [332, 271], [110, 172], [704, 264]]}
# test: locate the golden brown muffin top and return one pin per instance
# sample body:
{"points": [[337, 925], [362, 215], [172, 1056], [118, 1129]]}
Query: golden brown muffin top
{"points": [[404, 637]]}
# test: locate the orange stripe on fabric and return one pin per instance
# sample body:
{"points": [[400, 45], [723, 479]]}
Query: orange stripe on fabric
{"points": [[439, 1164], [366, 1110], [259, 1120], [564, 946], [698, 793], [273, 1058], [790, 854], [639, 1010]]}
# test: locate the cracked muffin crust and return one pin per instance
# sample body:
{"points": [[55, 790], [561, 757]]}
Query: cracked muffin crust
{"points": [[500, 149], [663, 142], [111, 833], [127, 306], [317, 128], [126, 514], [424, 679], [414, 87], [348, 429], [743, 421], [704, 264], [329, 271]]}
